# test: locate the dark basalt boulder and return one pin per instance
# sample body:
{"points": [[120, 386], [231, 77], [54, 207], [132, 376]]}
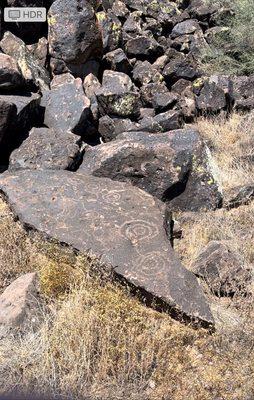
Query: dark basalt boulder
{"points": [[10, 75], [163, 122], [123, 232], [118, 96], [144, 73], [186, 27], [117, 60], [150, 91], [181, 67], [201, 9], [161, 164], [211, 98], [111, 30], [109, 128], [32, 71], [143, 47], [65, 106], [74, 35], [243, 92], [222, 269], [47, 149], [17, 116]]}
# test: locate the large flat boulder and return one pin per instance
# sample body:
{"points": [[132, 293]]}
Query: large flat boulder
{"points": [[119, 224], [172, 166]]}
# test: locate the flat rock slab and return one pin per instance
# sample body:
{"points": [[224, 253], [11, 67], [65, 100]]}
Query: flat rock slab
{"points": [[119, 224], [47, 149]]}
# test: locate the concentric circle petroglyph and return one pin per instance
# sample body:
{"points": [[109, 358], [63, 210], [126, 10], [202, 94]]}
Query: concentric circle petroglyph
{"points": [[112, 196], [139, 230], [151, 263]]}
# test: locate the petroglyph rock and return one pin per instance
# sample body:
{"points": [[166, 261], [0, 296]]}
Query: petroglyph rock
{"points": [[119, 224]]}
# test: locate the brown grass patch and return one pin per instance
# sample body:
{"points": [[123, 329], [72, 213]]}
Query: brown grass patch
{"points": [[232, 144]]}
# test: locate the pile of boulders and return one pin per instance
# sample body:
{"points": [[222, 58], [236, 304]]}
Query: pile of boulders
{"points": [[104, 89]]}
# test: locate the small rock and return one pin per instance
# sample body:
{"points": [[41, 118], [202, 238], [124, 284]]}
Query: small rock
{"points": [[111, 30], [181, 67], [243, 92], [211, 98], [185, 28], [20, 305], [17, 116], [222, 269], [143, 46], [117, 60], [144, 73], [118, 96]]}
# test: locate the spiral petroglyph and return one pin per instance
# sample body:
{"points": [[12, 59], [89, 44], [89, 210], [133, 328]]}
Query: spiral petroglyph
{"points": [[139, 230]]}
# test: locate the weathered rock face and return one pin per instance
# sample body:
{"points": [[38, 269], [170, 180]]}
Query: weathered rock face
{"points": [[222, 269], [10, 74], [20, 305], [47, 149], [164, 165], [66, 106], [123, 228], [118, 96], [74, 36], [31, 70]]}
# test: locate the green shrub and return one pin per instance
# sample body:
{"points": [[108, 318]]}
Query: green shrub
{"points": [[232, 50]]}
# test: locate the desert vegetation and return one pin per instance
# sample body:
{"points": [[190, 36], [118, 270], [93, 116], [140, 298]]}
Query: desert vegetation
{"points": [[232, 47]]}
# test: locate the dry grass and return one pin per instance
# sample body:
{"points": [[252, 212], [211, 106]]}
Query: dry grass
{"points": [[97, 342], [234, 226], [232, 144]]}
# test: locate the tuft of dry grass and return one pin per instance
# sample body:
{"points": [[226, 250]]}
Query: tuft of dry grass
{"points": [[234, 226], [231, 141]]}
